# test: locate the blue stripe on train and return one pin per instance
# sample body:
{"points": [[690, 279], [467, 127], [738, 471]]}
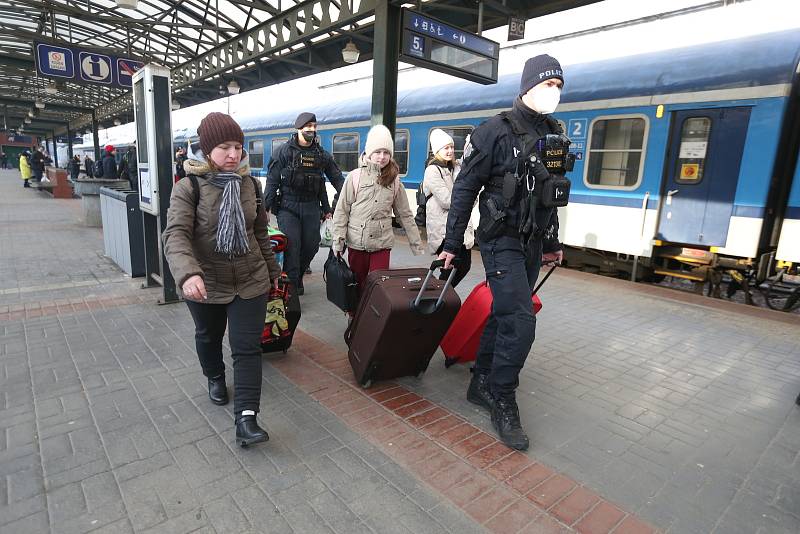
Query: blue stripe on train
{"points": [[754, 212]]}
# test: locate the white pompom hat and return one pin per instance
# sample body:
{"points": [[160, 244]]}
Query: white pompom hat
{"points": [[439, 140]]}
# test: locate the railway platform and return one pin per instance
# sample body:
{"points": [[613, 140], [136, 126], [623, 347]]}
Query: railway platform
{"points": [[649, 410]]}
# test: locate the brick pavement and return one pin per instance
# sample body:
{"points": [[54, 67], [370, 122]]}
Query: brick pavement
{"points": [[643, 409]]}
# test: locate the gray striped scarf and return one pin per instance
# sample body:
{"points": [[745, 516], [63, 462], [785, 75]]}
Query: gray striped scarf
{"points": [[231, 229]]}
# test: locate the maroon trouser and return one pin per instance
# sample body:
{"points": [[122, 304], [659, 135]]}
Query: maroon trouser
{"points": [[363, 262]]}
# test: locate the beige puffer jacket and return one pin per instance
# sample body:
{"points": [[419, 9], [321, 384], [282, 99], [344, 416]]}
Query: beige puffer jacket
{"points": [[363, 221], [438, 184], [191, 236]]}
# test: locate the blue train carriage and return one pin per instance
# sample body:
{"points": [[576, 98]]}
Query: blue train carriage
{"points": [[679, 158], [683, 155], [788, 252]]}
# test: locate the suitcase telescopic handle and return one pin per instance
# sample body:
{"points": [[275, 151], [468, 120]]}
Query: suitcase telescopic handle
{"points": [[438, 264]]}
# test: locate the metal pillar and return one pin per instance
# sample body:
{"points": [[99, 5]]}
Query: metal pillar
{"points": [[95, 136], [69, 143], [385, 52], [55, 149]]}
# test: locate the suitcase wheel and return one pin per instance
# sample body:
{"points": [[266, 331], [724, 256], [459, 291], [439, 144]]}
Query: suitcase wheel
{"points": [[285, 351], [367, 384], [449, 362]]}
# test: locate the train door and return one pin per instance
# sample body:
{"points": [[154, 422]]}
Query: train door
{"points": [[702, 172]]}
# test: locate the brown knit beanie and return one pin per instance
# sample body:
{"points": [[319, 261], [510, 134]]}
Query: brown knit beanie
{"points": [[215, 129]]}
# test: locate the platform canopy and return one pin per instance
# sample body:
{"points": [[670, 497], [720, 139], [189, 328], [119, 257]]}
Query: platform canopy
{"points": [[209, 45]]}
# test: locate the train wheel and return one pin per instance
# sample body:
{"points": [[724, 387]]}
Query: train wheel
{"points": [[781, 296]]}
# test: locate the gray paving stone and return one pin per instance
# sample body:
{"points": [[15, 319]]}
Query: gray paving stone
{"points": [[630, 395], [303, 518], [225, 516], [260, 512]]}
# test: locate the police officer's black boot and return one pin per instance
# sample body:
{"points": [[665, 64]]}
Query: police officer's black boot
{"points": [[478, 391], [217, 391], [247, 430], [505, 419]]}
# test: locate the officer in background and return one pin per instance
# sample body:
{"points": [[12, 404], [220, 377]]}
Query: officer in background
{"points": [[515, 239], [296, 193]]}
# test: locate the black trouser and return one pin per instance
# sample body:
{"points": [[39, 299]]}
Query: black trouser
{"points": [[300, 222], [511, 328], [245, 320]]}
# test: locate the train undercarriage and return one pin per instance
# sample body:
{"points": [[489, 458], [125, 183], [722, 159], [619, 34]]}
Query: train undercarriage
{"points": [[756, 281]]}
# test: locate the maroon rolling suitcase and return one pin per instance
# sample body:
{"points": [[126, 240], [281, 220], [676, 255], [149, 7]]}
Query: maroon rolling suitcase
{"points": [[400, 321]]}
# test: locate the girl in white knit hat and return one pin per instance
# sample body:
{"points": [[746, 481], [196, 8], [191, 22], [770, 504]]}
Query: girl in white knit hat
{"points": [[437, 184], [362, 221]]}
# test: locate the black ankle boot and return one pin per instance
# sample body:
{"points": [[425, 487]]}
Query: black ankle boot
{"points": [[505, 419], [248, 432], [217, 391], [478, 391]]}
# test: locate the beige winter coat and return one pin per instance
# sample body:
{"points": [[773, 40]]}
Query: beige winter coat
{"points": [[191, 235], [363, 220], [438, 183]]}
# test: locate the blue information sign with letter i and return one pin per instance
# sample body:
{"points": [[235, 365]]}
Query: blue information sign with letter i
{"points": [[95, 67]]}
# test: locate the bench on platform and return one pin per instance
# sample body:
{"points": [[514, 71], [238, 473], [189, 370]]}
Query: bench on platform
{"points": [[57, 183]]}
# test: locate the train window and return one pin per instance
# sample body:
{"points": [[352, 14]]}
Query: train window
{"points": [[401, 150], [256, 153], [277, 142], [459, 135], [345, 151], [694, 146], [616, 147]]}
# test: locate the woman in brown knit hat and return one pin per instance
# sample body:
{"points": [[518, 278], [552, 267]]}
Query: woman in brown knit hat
{"points": [[219, 252]]}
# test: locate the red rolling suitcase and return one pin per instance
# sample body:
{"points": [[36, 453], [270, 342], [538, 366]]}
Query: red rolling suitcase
{"points": [[399, 323], [460, 343]]}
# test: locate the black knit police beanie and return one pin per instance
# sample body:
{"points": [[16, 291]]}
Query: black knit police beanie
{"points": [[538, 69], [303, 119], [217, 128]]}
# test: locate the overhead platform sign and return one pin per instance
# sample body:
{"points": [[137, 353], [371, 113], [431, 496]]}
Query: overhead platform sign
{"points": [[430, 43], [80, 65]]}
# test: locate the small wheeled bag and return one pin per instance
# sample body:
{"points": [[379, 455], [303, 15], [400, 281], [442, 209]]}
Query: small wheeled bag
{"points": [[340, 283], [283, 316], [399, 323], [460, 343]]}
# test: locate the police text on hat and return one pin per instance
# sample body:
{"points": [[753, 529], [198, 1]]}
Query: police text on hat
{"points": [[538, 69]]}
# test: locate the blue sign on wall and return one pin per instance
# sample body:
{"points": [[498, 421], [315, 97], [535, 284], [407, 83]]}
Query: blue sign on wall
{"points": [[85, 66]]}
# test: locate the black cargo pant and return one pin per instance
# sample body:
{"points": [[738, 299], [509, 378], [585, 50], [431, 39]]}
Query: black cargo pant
{"points": [[245, 321], [511, 328], [300, 221]]}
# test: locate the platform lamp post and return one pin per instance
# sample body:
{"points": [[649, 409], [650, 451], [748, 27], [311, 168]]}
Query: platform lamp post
{"points": [[152, 111]]}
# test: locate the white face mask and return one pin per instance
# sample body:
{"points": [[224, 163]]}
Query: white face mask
{"points": [[545, 99]]}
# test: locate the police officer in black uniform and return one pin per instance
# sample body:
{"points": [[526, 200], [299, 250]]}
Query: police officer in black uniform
{"points": [[296, 193], [516, 234]]}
